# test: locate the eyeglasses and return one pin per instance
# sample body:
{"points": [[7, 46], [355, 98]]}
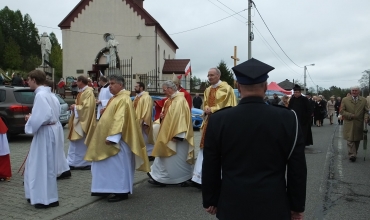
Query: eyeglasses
{"points": [[165, 89]]}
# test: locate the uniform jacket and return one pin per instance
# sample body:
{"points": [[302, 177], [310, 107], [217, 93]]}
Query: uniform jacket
{"points": [[353, 126], [251, 143], [302, 107]]}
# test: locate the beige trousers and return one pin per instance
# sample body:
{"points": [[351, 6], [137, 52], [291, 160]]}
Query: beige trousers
{"points": [[353, 148]]}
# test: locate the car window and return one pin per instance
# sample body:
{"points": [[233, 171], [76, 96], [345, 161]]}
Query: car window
{"points": [[2, 95], [24, 96], [61, 101]]}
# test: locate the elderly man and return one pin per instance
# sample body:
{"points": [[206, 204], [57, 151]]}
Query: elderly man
{"points": [[143, 105], [262, 178], [217, 96], [80, 124], [104, 95], [174, 147], [116, 147], [354, 112]]}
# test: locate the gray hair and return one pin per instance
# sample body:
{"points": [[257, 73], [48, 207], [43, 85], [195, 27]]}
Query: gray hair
{"points": [[118, 78], [355, 87], [170, 84], [217, 70]]}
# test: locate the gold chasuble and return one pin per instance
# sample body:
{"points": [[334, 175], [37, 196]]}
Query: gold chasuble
{"points": [[85, 107], [119, 117], [177, 120], [144, 110], [216, 98]]}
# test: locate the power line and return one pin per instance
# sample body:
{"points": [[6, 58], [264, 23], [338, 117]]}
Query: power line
{"points": [[230, 9], [227, 12], [273, 35], [154, 36], [310, 76]]}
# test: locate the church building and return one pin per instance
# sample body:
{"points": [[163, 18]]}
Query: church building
{"points": [[101, 35]]}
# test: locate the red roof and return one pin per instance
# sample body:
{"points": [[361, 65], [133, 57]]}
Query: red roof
{"points": [[149, 20], [275, 87], [176, 66]]}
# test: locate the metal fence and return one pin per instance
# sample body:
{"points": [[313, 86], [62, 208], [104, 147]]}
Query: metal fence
{"points": [[124, 68]]}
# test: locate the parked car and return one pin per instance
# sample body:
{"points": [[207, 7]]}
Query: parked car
{"points": [[64, 111], [196, 114], [16, 102]]}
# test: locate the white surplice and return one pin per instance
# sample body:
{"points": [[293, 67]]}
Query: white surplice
{"points": [[114, 174], [104, 96], [61, 161], [77, 149], [40, 182], [149, 147], [173, 169], [197, 173], [4, 145]]}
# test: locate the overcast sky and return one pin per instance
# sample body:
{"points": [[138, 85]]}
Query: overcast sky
{"points": [[332, 34]]}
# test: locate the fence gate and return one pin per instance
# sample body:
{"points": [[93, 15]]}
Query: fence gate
{"points": [[125, 69]]}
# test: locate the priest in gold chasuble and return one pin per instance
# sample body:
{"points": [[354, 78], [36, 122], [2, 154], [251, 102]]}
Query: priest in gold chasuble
{"points": [[217, 96], [80, 124], [174, 145], [116, 148], [143, 105]]}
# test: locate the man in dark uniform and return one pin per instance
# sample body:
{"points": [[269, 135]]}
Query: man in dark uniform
{"points": [[312, 105], [260, 150], [301, 105]]}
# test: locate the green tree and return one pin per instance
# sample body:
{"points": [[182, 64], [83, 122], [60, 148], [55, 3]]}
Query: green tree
{"points": [[30, 63], [195, 83], [226, 74], [12, 55], [56, 56]]}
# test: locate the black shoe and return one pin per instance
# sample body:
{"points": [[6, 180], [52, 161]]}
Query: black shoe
{"points": [[151, 158], [196, 185], [72, 167], [29, 200], [88, 167], [42, 206], [65, 175], [185, 184], [100, 194], [153, 182], [118, 197], [353, 159]]}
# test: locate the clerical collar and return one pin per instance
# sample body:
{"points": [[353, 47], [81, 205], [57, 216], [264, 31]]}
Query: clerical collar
{"points": [[217, 84], [173, 95], [140, 94], [83, 89]]}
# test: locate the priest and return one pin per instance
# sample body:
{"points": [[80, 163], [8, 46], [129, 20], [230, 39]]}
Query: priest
{"points": [[217, 96], [80, 124], [143, 105], [40, 176], [116, 147], [5, 169], [104, 95], [174, 146]]}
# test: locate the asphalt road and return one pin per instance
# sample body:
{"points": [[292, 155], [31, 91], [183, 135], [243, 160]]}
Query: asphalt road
{"points": [[336, 188]]}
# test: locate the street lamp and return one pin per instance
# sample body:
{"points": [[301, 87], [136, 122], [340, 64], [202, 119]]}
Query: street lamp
{"points": [[305, 68]]}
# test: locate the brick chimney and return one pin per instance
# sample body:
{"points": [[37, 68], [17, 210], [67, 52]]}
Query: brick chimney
{"points": [[139, 2]]}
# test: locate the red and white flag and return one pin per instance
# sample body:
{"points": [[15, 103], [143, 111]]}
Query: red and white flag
{"points": [[187, 69]]}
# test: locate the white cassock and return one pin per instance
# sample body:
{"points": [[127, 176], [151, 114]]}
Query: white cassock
{"points": [[173, 169], [4, 145], [149, 147], [77, 149], [40, 183], [61, 161], [197, 173], [114, 174], [104, 96]]}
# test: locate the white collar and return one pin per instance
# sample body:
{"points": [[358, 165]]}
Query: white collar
{"points": [[140, 94], [83, 89], [217, 84], [173, 95]]}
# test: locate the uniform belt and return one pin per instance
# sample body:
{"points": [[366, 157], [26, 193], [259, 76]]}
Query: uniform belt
{"points": [[50, 124]]}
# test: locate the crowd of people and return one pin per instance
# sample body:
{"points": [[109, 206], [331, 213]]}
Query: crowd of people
{"points": [[240, 171]]}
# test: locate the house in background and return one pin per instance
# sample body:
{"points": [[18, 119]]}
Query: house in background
{"points": [[144, 46]]}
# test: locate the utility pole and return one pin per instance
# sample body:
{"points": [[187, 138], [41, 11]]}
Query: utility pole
{"points": [[250, 34], [317, 89]]}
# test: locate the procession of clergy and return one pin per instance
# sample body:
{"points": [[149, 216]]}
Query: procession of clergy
{"points": [[114, 141]]}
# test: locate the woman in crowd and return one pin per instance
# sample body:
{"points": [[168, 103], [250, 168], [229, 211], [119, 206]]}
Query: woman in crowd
{"points": [[319, 111], [330, 108], [284, 101]]}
